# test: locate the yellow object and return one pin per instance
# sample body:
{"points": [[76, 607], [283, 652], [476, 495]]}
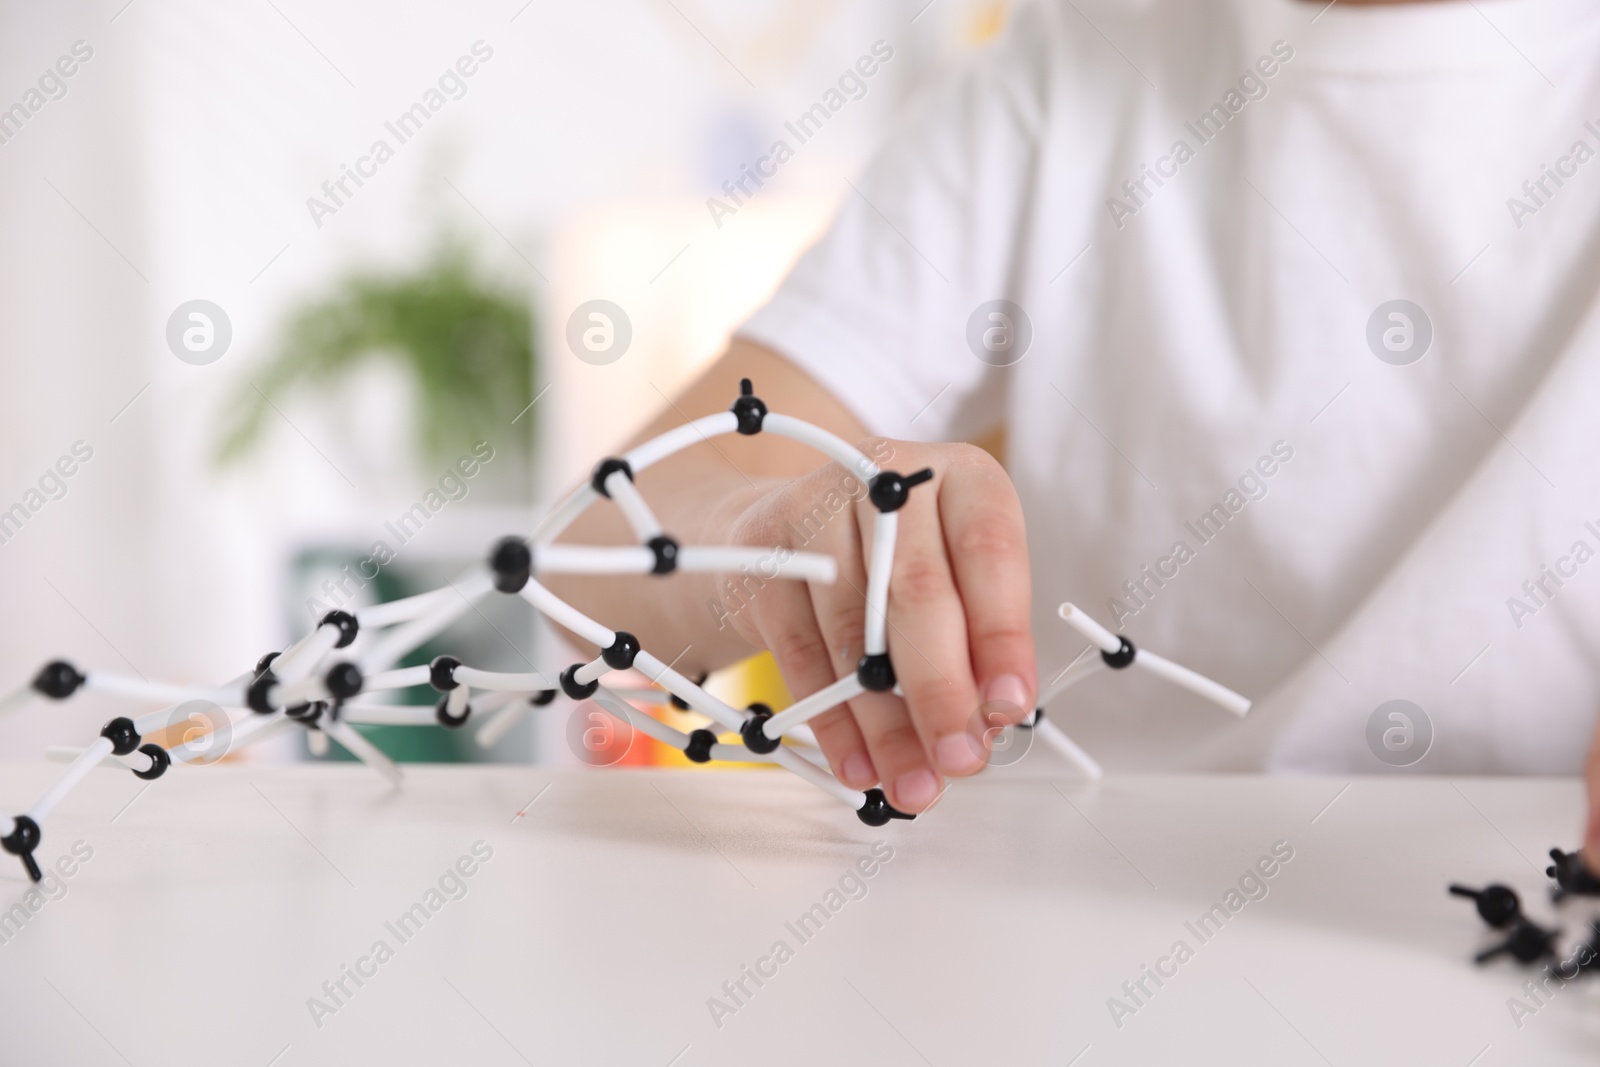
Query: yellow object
{"points": [[752, 681], [986, 20], [756, 680]]}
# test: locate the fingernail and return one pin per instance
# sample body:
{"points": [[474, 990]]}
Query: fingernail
{"points": [[1009, 689], [958, 753], [858, 771], [916, 790]]}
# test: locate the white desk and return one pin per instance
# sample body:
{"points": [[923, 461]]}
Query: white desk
{"points": [[222, 899]]}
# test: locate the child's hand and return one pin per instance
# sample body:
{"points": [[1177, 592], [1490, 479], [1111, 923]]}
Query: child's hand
{"points": [[959, 630]]}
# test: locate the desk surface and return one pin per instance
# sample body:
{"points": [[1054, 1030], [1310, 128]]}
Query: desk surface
{"points": [[615, 904]]}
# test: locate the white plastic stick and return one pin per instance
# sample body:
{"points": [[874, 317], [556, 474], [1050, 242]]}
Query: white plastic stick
{"points": [[592, 671], [1198, 684], [458, 703], [295, 664], [803, 711], [501, 722], [1178, 675], [15, 699], [812, 756], [140, 689], [404, 678], [642, 695], [646, 724], [241, 731], [390, 714], [1063, 744], [259, 729], [294, 648], [166, 719], [362, 749], [135, 760], [498, 682], [494, 701], [155, 720], [803, 735], [563, 515], [884, 531], [697, 698], [723, 752], [730, 719], [408, 636], [818, 777], [1098, 635], [162, 691], [847, 456], [99, 750], [594, 559], [231, 693], [679, 438], [292, 694], [70, 753], [379, 616], [713, 559], [719, 559], [1072, 676], [632, 504], [561, 613]]}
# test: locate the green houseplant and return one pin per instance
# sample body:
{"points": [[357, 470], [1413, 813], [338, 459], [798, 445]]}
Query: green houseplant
{"points": [[465, 342]]}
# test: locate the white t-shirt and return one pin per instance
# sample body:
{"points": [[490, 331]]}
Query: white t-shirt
{"points": [[1214, 389]]}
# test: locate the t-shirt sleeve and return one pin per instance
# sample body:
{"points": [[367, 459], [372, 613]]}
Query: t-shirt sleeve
{"points": [[878, 310]]}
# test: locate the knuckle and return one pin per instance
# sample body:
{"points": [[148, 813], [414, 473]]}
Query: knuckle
{"points": [[846, 628], [850, 640], [920, 581], [990, 536], [937, 703], [761, 527], [970, 457], [1001, 635], [819, 481], [882, 450], [836, 733], [799, 648], [818, 507], [896, 746]]}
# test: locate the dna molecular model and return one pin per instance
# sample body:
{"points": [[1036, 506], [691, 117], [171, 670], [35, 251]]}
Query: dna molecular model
{"points": [[314, 684]]}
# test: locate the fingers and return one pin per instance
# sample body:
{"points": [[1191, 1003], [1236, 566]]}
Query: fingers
{"points": [[788, 625], [900, 762], [846, 748], [958, 611], [928, 640], [987, 543], [903, 768], [784, 616], [891, 743]]}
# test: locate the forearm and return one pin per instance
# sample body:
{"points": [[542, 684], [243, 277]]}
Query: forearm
{"points": [[698, 495]]}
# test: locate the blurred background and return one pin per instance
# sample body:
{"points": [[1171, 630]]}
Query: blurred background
{"points": [[361, 335]]}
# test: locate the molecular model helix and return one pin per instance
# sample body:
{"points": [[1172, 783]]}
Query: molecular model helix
{"points": [[314, 684]]}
